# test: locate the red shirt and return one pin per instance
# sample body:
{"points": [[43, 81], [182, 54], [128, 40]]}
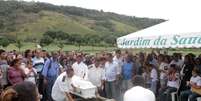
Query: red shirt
{"points": [[15, 76]]}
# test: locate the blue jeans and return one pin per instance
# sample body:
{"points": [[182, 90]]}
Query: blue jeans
{"points": [[166, 94], [50, 84], [154, 86], [188, 94], [111, 90]]}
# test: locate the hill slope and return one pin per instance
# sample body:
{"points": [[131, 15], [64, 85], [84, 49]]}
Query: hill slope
{"points": [[30, 20]]}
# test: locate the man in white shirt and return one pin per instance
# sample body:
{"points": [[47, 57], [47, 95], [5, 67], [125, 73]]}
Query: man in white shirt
{"points": [[138, 92], [80, 68], [96, 75], [38, 61], [38, 64], [62, 86], [177, 61], [154, 78], [111, 75], [119, 60]]}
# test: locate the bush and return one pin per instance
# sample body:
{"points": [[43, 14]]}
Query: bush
{"points": [[4, 41], [46, 40]]}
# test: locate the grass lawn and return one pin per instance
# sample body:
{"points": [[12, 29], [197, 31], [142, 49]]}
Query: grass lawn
{"points": [[94, 49], [66, 48]]}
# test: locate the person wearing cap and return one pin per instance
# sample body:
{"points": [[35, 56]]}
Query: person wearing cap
{"points": [[62, 86], [80, 68], [138, 92]]}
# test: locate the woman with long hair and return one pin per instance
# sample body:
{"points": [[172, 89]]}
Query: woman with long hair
{"points": [[186, 72], [15, 73]]}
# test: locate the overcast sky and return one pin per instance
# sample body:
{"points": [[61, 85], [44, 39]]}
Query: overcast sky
{"points": [[166, 9]]}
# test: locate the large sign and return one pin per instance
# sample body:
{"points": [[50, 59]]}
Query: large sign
{"points": [[173, 41]]}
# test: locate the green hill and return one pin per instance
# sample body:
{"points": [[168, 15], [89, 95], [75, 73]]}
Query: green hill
{"points": [[30, 20]]}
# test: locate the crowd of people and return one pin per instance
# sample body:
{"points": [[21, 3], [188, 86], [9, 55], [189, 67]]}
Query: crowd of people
{"points": [[49, 74]]}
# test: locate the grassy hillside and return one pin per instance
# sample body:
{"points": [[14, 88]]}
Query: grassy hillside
{"points": [[30, 20], [52, 21]]}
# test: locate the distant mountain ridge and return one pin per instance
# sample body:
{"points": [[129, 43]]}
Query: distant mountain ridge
{"points": [[30, 20]]}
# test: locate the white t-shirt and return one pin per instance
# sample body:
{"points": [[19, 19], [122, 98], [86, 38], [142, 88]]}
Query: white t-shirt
{"points": [[80, 70], [111, 71], [196, 80], [32, 76], [120, 63], [154, 75], [175, 83], [38, 63], [61, 86], [139, 94], [163, 66], [179, 63], [95, 75]]}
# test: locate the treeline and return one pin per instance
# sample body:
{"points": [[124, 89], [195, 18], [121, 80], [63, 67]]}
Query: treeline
{"points": [[60, 37]]}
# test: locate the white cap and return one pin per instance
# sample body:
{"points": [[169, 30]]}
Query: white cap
{"points": [[38, 46], [139, 94]]}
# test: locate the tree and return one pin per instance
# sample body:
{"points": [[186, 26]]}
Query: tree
{"points": [[19, 44], [4, 41], [46, 40], [57, 35], [76, 39], [60, 44], [110, 39]]}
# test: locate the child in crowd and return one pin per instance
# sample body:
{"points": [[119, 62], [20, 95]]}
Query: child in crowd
{"points": [[172, 83], [195, 84], [154, 78], [31, 73], [163, 68]]}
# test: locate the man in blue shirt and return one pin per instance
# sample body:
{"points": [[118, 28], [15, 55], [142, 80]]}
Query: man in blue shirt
{"points": [[128, 72], [50, 73]]}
